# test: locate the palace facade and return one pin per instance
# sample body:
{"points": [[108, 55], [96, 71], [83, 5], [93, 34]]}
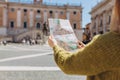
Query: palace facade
{"points": [[30, 20], [101, 17]]}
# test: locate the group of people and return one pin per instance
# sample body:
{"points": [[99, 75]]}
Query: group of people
{"points": [[32, 41], [3, 42]]}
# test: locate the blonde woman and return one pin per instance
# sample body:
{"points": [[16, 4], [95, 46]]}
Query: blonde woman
{"points": [[98, 60]]}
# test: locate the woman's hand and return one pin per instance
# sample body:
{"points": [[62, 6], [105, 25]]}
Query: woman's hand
{"points": [[80, 45], [51, 41]]}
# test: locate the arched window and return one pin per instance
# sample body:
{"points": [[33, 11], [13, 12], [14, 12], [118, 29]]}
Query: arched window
{"points": [[74, 12], [12, 24], [38, 25], [94, 33], [25, 25], [109, 20], [25, 10], [74, 26], [38, 11], [61, 12], [51, 13], [100, 32], [12, 9]]}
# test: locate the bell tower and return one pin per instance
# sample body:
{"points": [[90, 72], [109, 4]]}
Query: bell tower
{"points": [[38, 1]]}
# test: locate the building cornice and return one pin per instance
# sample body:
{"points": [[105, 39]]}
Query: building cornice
{"points": [[99, 5], [32, 5]]}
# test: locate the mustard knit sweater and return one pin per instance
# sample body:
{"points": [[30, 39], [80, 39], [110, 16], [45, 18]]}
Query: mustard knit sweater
{"points": [[98, 60]]}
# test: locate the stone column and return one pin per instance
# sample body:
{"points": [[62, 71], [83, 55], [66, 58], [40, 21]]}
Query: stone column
{"points": [[101, 22], [92, 25], [31, 16], [18, 18], [97, 24], [45, 16], [56, 15], [68, 15], [3, 29], [5, 17], [104, 21]]}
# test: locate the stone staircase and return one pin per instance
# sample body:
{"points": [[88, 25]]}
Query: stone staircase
{"points": [[31, 33], [16, 31], [5, 38]]}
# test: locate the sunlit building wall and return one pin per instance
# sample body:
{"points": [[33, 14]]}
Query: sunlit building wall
{"points": [[19, 20], [101, 17]]}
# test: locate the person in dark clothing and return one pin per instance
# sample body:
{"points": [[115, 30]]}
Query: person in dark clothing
{"points": [[86, 38], [45, 28]]}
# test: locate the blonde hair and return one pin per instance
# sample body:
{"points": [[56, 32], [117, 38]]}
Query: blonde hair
{"points": [[115, 22]]}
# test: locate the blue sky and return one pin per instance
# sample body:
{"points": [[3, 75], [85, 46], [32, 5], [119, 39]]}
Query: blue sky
{"points": [[86, 4]]}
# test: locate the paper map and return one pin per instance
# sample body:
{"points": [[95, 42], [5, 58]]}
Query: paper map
{"points": [[63, 34]]}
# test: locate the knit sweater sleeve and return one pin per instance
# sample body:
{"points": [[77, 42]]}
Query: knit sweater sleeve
{"points": [[87, 61]]}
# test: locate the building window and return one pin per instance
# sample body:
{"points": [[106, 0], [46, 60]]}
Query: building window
{"points": [[12, 9], [100, 32], [74, 12], [12, 24], [25, 10], [38, 11], [74, 26], [61, 12], [51, 13], [94, 33], [38, 26], [25, 24], [109, 20]]}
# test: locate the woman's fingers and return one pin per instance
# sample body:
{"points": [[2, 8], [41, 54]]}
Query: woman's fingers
{"points": [[52, 42], [80, 44], [50, 37]]}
